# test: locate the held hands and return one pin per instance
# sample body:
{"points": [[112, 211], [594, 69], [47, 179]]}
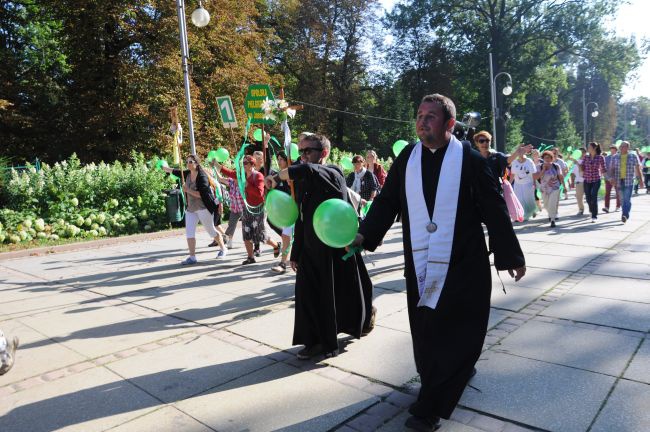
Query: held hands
{"points": [[356, 243], [517, 273]]}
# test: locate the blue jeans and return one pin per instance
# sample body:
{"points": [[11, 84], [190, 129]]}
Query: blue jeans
{"points": [[591, 193], [626, 198]]}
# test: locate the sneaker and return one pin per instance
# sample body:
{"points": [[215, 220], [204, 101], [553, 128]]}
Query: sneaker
{"points": [[280, 268], [222, 253], [8, 358], [213, 244], [277, 249], [189, 261], [229, 244], [249, 260], [605, 210], [618, 209], [371, 324], [623, 219], [593, 220], [552, 224], [581, 212]]}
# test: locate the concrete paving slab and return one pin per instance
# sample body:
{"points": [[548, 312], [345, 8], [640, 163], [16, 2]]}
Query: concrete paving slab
{"points": [[388, 302], [396, 321], [624, 269], [569, 345], [100, 328], [397, 425], [393, 347], [639, 368], [167, 297], [37, 359], [93, 400], [580, 239], [570, 251], [540, 278], [394, 282], [634, 290], [44, 303], [185, 369], [515, 298], [554, 262], [278, 398], [631, 257], [626, 409], [540, 394], [167, 419], [496, 316], [281, 323], [607, 312]]}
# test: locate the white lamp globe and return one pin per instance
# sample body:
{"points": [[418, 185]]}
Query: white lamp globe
{"points": [[200, 17], [594, 114], [507, 90]]}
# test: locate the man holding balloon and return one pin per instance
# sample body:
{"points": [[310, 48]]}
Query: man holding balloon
{"points": [[333, 295], [444, 190]]}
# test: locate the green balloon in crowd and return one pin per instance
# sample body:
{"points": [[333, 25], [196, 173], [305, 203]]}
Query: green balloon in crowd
{"points": [[366, 208], [160, 163], [281, 209], [257, 135], [569, 149], [212, 154], [618, 142], [399, 146], [336, 223], [346, 163], [577, 154], [222, 155], [647, 163], [295, 155]]}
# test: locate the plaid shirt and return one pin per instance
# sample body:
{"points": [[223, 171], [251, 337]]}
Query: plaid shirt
{"points": [[591, 168], [630, 170], [236, 201]]}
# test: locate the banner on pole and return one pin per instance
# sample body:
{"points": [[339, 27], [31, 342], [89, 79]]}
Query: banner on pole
{"points": [[257, 94], [224, 104]]}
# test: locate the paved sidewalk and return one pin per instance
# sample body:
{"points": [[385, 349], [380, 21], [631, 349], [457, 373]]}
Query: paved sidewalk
{"points": [[122, 338]]}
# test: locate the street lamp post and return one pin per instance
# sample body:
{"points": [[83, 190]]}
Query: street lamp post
{"points": [[200, 18], [594, 114], [507, 91]]}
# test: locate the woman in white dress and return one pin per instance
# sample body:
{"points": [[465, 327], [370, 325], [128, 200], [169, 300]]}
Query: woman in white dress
{"points": [[521, 171]]}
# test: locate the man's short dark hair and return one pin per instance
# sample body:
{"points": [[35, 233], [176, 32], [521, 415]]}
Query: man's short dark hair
{"points": [[445, 103], [320, 141]]}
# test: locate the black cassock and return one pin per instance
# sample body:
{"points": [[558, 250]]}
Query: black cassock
{"points": [[332, 296], [447, 341]]}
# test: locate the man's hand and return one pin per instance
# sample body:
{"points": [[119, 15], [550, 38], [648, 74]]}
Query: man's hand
{"points": [[357, 242], [517, 273], [524, 149], [294, 265], [269, 182]]}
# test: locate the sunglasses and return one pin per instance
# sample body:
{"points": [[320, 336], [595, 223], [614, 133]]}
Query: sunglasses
{"points": [[483, 141], [190, 162], [307, 150]]}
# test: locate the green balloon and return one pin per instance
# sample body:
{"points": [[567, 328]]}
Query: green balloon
{"points": [[160, 163], [281, 209], [295, 155], [346, 163], [335, 223], [577, 154], [618, 142], [212, 154], [398, 146], [257, 135], [222, 155], [569, 149], [647, 163]]}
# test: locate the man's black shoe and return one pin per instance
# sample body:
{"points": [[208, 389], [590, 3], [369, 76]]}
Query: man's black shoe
{"points": [[213, 244], [310, 351], [371, 324], [421, 424]]}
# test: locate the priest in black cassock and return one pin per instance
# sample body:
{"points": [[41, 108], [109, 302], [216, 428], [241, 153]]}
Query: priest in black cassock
{"points": [[443, 190], [332, 295]]}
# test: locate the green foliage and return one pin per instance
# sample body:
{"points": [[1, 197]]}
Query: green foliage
{"points": [[69, 199]]}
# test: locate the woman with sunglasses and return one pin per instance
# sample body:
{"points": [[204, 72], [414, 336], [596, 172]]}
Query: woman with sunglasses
{"points": [[497, 161], [201, 205], [253, 216]]}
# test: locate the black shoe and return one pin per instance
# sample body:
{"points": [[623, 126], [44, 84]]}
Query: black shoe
{"points": [[213, 244], [421, 424], [623, 219], [310, 351], [249, 260], [257, 253], [605, 210], [552, 224], [371, 324], [277, 249]]}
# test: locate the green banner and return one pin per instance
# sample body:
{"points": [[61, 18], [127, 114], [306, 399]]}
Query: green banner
{"points": [[257, 93]]}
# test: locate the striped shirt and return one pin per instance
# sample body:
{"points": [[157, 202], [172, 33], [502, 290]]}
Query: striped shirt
{"points": [[592, 166], [632, 161]]}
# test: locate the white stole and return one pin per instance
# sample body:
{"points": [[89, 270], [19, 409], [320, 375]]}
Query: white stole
{"points": [[432, 250]]}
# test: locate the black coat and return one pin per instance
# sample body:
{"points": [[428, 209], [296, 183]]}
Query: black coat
{"points": [[332, 296], [447, 341], [203, 187]]}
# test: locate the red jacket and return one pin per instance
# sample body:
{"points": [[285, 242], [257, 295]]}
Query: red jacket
{"points": [[254, 185], [380, 173]]}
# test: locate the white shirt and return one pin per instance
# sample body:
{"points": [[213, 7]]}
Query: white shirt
{"points": [[576, 172], [523, 171], [562, 165]]}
